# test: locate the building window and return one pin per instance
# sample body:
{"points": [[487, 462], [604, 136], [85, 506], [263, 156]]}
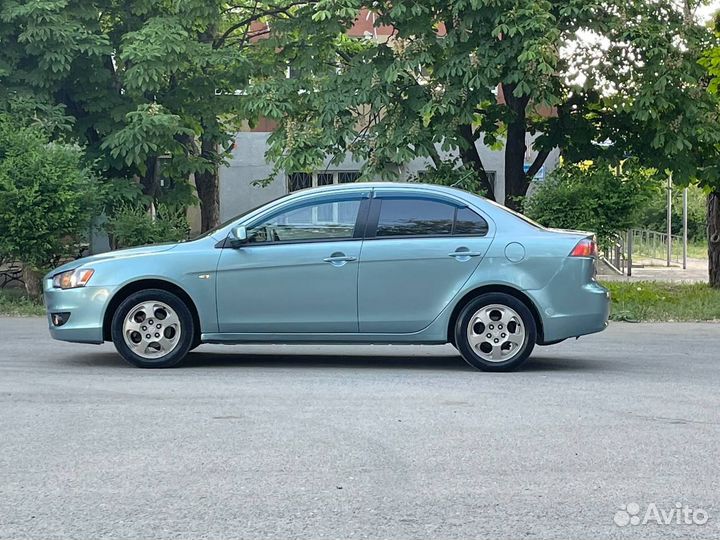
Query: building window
{"points": [[296, 181], [347, 177]]}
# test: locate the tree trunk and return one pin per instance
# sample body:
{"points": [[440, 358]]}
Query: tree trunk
{"points": [[714, 238], [150, 182], [516, 181], [33, 281], [207, 184], [472, 160]]}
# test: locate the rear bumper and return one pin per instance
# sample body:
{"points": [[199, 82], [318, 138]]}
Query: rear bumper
{"points": [[577, 312], [86, 309]]}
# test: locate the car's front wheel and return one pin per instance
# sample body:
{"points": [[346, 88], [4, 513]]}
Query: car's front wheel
{"points": [[153, 328], [495, 332]]}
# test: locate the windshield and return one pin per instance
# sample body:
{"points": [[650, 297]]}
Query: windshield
{"points": [[235, 218]]}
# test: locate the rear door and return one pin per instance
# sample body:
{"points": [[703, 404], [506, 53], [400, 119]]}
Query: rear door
{"points": [[419, 251]]}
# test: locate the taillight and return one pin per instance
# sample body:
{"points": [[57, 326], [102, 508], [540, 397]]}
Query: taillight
{"points": [[587, 247]]}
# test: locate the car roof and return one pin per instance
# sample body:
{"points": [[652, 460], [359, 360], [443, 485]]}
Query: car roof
{"points": [[410, 186]]}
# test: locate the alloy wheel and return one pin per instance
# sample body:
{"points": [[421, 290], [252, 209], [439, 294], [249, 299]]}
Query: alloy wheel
{"points": [[496, 333], [152, 329]]}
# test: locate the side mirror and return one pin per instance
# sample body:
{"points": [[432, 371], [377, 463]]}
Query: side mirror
{"points": [[238, 236]]}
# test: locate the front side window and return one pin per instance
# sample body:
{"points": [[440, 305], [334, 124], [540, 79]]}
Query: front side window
{"points": [[331, 220]]}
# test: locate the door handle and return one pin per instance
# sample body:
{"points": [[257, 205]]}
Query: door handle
{"points": [[339, 259], [458, 254], [342, 258]]}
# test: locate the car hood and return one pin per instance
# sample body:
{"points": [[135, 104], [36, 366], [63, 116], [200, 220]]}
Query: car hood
{"points": [[119, 254]]}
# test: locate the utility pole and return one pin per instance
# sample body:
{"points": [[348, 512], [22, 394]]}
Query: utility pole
{"points": [[669, 219], [685, 228]]}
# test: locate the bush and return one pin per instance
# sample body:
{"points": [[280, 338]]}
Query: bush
{"points": [[47, 199], [593, 197], [132, 225]]}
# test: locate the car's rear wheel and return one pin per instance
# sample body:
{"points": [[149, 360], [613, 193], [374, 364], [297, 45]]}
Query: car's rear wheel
{"points": [[153, 329], [495, 332]]}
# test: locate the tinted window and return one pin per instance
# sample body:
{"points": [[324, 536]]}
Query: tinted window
{"points": [[468, 222], [415, 217], [320, 221]]}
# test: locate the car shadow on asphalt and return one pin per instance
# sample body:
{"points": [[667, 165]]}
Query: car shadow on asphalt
{"points": [[444, 362]]}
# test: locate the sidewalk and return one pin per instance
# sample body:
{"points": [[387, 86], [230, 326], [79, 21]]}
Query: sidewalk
{"points": [[655, 270]]}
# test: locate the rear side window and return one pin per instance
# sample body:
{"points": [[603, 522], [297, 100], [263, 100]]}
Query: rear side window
{"points": [[415, 217], [468, 223], [426, 217]]}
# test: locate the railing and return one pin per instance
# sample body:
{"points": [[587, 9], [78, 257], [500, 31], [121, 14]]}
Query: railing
{"points": [[654, 245], [615, 254]]}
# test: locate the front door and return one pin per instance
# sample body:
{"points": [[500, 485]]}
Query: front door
{"points": [[419, 252], [297, 273]]}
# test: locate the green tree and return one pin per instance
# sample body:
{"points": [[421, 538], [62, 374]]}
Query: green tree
{"points": [[576, 74], [150, 87], [47, 200], [711, 180]]}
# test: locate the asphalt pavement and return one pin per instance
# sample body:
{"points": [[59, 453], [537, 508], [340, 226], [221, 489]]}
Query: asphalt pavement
{"points": [[362, 441]]}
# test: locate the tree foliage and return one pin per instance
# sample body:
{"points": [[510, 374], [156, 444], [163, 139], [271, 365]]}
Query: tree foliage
{"points": [[47, 197], [134, 81], [596, 78]]}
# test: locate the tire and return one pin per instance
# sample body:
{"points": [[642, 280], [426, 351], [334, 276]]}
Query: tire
{"points": [[153, 328], [510, 325]]}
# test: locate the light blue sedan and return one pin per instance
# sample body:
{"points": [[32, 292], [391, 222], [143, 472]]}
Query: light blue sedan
{"points": [[355, 263]]}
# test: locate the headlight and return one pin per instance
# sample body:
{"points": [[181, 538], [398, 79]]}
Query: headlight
{"points": [[72, 278]]}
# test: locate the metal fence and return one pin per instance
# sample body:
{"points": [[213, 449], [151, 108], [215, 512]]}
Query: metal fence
{"points": [[615, 254], [654, 245]]}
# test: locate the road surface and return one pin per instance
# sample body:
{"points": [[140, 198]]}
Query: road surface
{"points": [[360, 441]]}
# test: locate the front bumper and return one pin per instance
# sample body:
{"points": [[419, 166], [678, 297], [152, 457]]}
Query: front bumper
{"points": [[86, 308]]}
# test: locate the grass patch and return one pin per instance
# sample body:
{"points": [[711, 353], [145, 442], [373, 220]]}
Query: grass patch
{"points": [[15, 303], [698, 250], [663, 301]]}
